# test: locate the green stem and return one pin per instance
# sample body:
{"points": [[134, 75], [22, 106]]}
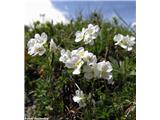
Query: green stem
{"points": [[106, 88], [50, 75]]}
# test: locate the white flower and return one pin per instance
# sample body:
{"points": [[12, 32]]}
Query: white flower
{"points": [[125, 42], [79, 52], [90, 58], [65, 55], [31, 43], [99, 70], [88, 34], [91, 33], [80, 35], [35, 45], [73, 59], [79, 98], [104, 70], [37, 49], [75, 62], [41, 39], [53, 46]]}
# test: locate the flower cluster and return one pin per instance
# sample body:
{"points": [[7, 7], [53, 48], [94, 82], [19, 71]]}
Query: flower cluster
{"points": [[99, 70], [87, 34], [76, 58], [125, 42], [35, 45]]}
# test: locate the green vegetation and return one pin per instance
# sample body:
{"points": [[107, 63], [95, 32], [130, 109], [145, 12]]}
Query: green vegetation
{"points": [[50, 87]]}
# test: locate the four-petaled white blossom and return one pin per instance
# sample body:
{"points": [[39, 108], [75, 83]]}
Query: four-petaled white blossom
{"points": [[88, 34], [41, 39], [126, 42], [91, 33], [35, 45], [104, 70], [37, 49], [99, 70], [53, 46], [79, 98], [73, 59]]}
